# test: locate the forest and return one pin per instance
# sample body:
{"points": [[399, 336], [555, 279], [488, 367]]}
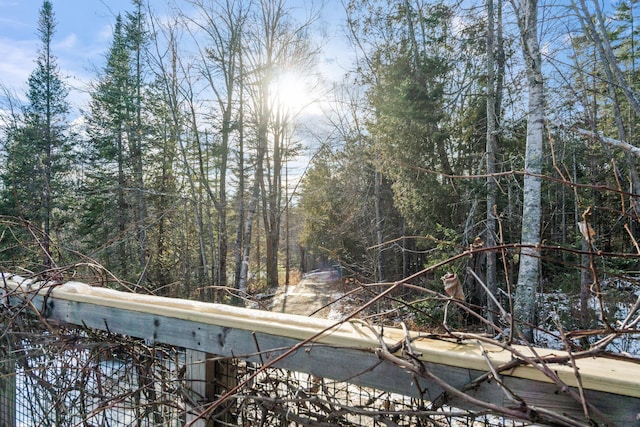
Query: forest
{"points": [[492, 145]]}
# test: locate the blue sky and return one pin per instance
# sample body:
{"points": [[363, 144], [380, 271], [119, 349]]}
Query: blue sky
{"points": [[82, 38], [83, 35]]}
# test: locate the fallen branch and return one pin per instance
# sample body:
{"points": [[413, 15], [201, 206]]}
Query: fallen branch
{"points": [[623, 145]]}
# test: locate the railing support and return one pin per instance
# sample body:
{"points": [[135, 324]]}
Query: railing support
{"points": [[7, 390], [199, 375], [208, 378], [348, 352]]}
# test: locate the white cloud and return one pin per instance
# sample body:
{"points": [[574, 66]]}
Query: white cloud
{"points": [[68, 43], [105, 34], [18, 60]]}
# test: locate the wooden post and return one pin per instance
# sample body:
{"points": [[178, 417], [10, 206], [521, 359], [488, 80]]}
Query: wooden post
{"points": [[207, 380], [226, 378], [199, 377], [7, 391]]}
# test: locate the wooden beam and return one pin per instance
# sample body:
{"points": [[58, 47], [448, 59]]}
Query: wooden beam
{"points": [[341, 351], [7, 387]]}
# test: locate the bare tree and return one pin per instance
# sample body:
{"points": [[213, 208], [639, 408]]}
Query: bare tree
{"points": [[277, 45], [593, 26], [222, 23]]}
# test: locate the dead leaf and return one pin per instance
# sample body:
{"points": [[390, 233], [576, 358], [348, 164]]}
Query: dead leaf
{"points": [[587, 232], [452, 286]]}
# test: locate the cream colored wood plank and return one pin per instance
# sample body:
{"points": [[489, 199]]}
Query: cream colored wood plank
{"points": [[598, 374]]}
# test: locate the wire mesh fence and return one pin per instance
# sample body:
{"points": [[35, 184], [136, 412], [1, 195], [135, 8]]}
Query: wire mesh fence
{"points": [[59, 376], [69, 377]]}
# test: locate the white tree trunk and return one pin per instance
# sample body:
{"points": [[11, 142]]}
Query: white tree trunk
{"points": [[491, 148], [251, 212], [528, 275]]}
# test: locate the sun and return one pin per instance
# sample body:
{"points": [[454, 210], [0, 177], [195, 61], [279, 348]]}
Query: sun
{"points": [[293, 94]]}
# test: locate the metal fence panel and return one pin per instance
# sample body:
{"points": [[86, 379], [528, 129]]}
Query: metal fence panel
{"points": [[59, 376]]}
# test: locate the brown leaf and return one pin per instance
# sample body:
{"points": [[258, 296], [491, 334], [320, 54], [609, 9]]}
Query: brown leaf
{"points": [[587, 232], [452, 286]]}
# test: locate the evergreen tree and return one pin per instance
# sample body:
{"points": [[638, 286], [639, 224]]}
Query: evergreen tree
{"points": [[137, 38], [408, 67], [39, 156], [106, 212], [115, 209]]}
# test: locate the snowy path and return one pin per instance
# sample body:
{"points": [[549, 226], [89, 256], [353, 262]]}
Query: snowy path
{"points": [[311, 294]]}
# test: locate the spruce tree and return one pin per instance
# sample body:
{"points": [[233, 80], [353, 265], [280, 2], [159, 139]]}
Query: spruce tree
{"points": [[137, 39], [106, 209], [38, 159], [119, 130]]}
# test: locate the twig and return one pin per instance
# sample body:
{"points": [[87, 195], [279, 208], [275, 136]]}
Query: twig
{"points": [[503, 312], [420, 370], [633, 239], [496, 376]]}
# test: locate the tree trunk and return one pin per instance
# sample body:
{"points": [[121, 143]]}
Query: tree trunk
{"points": [[586, 280], [379, 267], [272, 205], [196, 194], [222, 198], [595, 27], [240, 193], [529, 271], [251, 212], [136, 149], [491, 148], [287, 254]]}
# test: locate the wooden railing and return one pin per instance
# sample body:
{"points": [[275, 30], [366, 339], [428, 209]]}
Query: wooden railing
{"points": [[462, 371]]}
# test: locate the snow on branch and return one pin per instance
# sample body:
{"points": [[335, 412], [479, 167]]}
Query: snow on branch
{"points": [[629, 148]]}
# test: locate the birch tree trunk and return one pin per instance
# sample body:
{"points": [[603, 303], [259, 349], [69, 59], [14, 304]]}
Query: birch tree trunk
{"points": [[378, 229], [491, 148], [529, 270]]}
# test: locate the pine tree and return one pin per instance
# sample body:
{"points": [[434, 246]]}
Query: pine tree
{"points": [[39, 156], [116, 209], [106, 212], [137, 38]]}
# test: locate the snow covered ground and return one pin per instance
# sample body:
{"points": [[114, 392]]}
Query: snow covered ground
{"points": [[617, 303]]}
